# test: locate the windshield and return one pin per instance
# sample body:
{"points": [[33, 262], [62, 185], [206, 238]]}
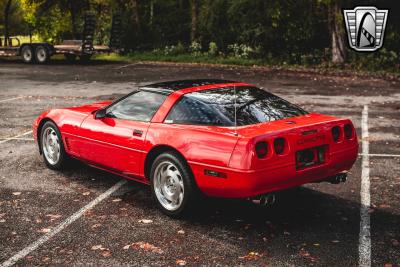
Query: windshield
{"points": [[216, 107]]}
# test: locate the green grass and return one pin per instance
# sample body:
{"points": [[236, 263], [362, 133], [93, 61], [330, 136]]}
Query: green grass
{"points": [[232, 61]]}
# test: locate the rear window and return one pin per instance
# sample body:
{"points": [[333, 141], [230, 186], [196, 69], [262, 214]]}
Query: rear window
{"points": [[216, 107]]}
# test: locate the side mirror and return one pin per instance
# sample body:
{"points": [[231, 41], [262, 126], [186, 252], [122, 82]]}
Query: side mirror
{"points": [[100, 114]]}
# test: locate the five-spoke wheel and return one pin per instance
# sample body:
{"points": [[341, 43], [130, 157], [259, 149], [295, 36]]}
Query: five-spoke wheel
{"points": [[172, 184], [52, 146]]}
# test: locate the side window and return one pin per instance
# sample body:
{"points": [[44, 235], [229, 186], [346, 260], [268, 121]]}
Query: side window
{"points": [[139, 106], [194, 111]]}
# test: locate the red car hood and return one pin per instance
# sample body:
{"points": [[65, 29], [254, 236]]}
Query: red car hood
{"points": [[87, 109]]}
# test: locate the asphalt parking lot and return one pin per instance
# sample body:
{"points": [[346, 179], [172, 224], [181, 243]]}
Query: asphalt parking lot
{"points": [[57, 218]]}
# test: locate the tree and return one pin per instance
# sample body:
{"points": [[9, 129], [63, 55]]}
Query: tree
{"points": [[338, 47], [194, 7], [6, 22], [73, 7]]}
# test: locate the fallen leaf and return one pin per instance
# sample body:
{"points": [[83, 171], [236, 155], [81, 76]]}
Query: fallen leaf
{"points": [[96, 225], [16, 193], [145, 221], [252, 256], [53, 216], [181, 232], [181, 262], [147, 247], [126, 247], [97, 247], [106, 253]]}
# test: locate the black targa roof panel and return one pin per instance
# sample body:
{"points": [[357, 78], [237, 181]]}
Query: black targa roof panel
{"points": [[183, 84]]}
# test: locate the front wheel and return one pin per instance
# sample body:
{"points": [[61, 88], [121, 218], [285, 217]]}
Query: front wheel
{"points": [[172, 184], [52, 146]]}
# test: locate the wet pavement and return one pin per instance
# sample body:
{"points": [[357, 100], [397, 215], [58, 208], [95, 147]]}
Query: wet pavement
{"points": [[316, 225]]}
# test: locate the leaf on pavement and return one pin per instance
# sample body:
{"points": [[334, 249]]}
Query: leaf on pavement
{"points": [[146, 221], [252, 256], [147, 247], [181, 262]]}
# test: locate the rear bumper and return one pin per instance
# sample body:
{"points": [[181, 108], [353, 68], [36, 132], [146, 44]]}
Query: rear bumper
{"points": [[243, 184]]}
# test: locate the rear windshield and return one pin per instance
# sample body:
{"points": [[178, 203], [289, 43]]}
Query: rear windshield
{"points": [[216, 107]]}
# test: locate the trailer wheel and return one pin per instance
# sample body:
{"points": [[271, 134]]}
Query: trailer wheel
{"points": [[85, 58], [70, 57], [27, 54], [41, 54]]}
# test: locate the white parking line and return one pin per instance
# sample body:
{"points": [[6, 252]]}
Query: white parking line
{"points": [[13, 138], [33, 246], [381, 155], [16, 138], [364, 249], [10, 99]]}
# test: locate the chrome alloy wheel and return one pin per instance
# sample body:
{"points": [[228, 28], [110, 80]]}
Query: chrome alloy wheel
{"points": [[168, 186], [51, 146]]}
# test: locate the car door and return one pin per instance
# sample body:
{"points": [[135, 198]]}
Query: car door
{"points": [[116, 141]]}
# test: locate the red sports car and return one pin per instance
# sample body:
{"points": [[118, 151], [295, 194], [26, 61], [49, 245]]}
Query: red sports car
{"points": [[201, 137]]}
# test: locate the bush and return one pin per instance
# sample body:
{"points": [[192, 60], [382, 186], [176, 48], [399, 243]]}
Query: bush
{"points": [[195, 48], [240, 51], [213, 49]]}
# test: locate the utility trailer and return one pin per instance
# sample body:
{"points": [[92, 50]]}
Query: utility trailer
{"points": [[40, 53]]}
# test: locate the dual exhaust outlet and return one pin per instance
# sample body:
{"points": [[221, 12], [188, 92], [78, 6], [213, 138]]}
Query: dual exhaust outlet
{"points": [[266, 200], [338, 178]]}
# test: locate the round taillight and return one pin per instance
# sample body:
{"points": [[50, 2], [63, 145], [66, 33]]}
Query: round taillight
{"points": [[279, 146], [261, 149], [336, 133], [348, 131]]}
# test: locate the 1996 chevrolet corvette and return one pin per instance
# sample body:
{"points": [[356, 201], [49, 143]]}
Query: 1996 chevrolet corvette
{"points": [[201, 137]]}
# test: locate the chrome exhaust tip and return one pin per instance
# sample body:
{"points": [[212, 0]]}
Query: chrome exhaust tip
{"points": [[338, 178], [266, 200]]}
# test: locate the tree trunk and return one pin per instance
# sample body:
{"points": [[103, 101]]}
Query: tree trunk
{"points": [[73, 21], [194, 15], [6, 22], [136, 18], [339, 54]]}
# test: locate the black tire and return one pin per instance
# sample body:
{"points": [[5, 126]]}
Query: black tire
{"points": [[191, 193], [70, 57], [27, 54], [63, 157], [42, 54]]}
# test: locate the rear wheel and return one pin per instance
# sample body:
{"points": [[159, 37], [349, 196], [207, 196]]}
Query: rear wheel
{"points": [[27, 54], [41, 54], [52, 146], [172, 184]]}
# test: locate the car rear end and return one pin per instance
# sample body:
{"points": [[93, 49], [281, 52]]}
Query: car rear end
{"points": [[287, 153]]}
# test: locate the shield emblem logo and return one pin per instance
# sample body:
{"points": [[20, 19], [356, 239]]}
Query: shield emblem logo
{"points": [[365, 27]]}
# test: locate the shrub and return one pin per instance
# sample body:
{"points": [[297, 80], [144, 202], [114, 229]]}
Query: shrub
{"points": [[213, 49], [195, 48]]}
